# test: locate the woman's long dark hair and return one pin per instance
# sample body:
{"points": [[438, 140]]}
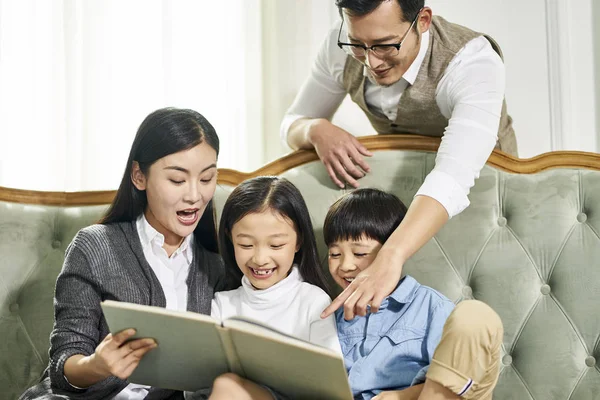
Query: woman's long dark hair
{"points": [[163, 132], [280, 195]]}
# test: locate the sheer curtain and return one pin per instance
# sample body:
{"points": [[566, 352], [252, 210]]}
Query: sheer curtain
{"points": [[78, 77]]}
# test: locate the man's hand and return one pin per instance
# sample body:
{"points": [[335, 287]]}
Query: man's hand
{"points": [[341, 153], [369, 288]]}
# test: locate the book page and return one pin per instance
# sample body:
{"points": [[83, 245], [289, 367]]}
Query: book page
{"points": [[189, 355], [289, 365]]}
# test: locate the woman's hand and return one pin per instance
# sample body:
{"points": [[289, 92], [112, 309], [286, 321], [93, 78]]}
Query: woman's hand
{"points": [[114, 356]]}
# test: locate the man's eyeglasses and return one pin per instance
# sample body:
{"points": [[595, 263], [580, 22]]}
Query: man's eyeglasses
{"points": [[380, 50]]}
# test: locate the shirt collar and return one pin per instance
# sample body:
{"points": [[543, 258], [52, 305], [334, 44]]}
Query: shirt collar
{"points": [[410, 76], [266, 297], [149, 236], [405, 291], [411, 73]]}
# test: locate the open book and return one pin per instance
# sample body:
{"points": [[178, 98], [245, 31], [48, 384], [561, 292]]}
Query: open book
{"points": [[193, 349]]}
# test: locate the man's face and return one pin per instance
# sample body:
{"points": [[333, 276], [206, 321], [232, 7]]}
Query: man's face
{"points": [[384, 25]]}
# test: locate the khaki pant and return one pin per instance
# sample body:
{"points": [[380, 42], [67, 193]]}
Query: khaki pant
{"points": [[467, 360]]}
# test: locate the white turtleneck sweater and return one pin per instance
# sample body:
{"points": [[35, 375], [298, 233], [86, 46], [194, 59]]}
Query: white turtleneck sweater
{"points": [[291, 306]]}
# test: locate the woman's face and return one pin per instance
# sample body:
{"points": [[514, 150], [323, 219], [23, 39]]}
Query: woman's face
{"points": [[178, 188]]}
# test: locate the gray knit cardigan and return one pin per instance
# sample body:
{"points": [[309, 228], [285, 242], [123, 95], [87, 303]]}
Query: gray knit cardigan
{"points": [[106, 262]]}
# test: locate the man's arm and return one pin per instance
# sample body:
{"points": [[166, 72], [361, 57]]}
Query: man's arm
{"points": [[472, 92], [340, 152], [306, 124]]}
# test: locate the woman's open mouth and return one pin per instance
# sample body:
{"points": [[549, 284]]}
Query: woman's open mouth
{"points": [[188, 216]]}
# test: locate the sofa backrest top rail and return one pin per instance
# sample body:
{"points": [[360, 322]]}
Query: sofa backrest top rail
{"points": [[498, 159]]}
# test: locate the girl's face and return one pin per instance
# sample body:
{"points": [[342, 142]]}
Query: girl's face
{"points": [[264, 244], [178, 188]]}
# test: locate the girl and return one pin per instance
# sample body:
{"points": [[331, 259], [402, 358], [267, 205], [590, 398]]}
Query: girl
{"points": [[155, 246], [266, 234]]}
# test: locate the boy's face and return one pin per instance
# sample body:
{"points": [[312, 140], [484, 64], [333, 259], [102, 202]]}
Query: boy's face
{"points": [[347, 258]]}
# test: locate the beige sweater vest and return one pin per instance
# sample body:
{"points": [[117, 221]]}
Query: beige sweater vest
{"points": [[418, 112]]}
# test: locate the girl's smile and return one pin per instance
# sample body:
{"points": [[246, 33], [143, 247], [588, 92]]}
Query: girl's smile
{"points": [[265, 244]]}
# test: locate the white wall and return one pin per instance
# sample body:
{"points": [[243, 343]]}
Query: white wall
{"points": [[292, 34]]}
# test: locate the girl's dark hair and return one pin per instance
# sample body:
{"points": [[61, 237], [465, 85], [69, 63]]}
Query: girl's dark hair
{"points": [[370, 213], [410, 8], [280, 195], [163, 132]]}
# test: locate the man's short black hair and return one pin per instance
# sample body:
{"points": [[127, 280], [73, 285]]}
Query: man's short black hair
{"points": [[409, 8], [370, 213]]}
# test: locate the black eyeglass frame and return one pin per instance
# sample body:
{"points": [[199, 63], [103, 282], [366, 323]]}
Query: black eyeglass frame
{"points": [[374, 47]]}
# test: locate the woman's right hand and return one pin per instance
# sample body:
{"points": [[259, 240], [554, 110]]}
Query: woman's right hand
{"points": [[114, 356]]}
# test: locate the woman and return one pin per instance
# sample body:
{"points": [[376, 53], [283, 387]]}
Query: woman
{"points": [[156, 246]]}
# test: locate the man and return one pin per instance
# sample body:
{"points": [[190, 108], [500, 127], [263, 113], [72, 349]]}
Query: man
{"points": [[411, 73]]}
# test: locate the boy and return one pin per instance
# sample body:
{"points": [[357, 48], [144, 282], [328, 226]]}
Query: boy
{"points": [[418, 345]]}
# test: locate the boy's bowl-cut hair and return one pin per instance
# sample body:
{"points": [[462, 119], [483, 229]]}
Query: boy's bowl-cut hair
{"points": [[370, 213]]}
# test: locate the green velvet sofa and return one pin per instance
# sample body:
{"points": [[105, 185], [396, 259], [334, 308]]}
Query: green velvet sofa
{"points": [[528, 245]]}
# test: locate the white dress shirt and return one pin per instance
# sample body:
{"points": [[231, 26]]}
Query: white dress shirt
{"points": [[291, 306], [171, 272], [470, 95]]}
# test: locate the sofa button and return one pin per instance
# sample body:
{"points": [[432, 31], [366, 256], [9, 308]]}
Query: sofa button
{"points": [[545, 289], [507, 360], [502, 221], [14, 308], [582, 217], [56, 244], [467, 291], [590, 361]]}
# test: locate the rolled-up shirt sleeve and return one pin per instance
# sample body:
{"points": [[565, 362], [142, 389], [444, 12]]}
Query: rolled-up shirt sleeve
{"points": [[470, 94], [323, 91]]}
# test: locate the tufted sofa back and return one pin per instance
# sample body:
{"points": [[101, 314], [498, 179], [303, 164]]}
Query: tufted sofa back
{"points": [[529, 246]]}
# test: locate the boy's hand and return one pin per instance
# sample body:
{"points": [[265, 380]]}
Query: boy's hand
{"points": [[369, 288], [410, 393], [391, 395]]}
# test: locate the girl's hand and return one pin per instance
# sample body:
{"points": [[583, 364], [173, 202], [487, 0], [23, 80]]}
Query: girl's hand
{"points": [[114, 357]]}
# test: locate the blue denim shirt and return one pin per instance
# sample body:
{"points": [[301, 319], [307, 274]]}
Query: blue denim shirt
{"points": [[392, 349]]}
